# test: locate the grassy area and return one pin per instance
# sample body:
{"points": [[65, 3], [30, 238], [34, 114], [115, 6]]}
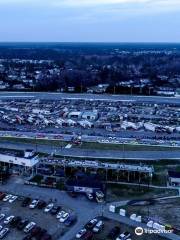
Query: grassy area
{"points": [[166, 211], [91, 145], [126, 147], [56, 143], [116, 192]]}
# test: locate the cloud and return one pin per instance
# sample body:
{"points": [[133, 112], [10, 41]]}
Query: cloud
{"points": [[94, 3], [90, 2], [99, 2]]}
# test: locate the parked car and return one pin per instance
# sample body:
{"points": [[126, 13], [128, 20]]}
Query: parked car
{"points": [[123, 236], [8, 219], [2, 195], [29, 227], [55, 210], [2, 216], [7, 197], [22, 224], [1, 227], [41, 204], [64, 217], [88, 236], [60, 214], [98, 227], [12, 199], [81, 233], [89, 196], [35, 231], [15, 221], [70, 221], [114, 232], [4, 232], [48, 207], [26, 202], [40, 234], [34, 204], [91, 223]]}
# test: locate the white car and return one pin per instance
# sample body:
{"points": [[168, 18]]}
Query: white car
{"points": [[7, 197], [4, 232], [1, 227], [34, 204], [12, 199], [2, 216], [64, 217], [60, 214], [81, 233], [29, 227], [48, 207], [8, 219], [98, 227], [89, 196], [124, 236]]}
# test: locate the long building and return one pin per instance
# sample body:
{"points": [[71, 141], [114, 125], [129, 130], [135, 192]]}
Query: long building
{"points": [[27, 158]]}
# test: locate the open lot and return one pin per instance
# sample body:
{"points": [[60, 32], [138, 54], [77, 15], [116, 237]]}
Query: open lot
{"points": [[165, 211], [116, 192]]}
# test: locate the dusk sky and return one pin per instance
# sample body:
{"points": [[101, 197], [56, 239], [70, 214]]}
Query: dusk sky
{"points": [[90, 20]]}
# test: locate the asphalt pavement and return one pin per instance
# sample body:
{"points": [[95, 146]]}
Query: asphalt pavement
{"points": [[102, 97], [91, 153]]}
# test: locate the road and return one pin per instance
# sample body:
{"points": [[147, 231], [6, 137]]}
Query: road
{"points": [[124, 136], [101, 154], [104, 97]]}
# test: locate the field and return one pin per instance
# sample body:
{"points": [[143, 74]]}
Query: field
{"points": [[117, 192], [109, 224], [165, 211], [91, 145]]}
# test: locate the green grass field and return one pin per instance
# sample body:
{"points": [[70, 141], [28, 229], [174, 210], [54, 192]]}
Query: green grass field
{"points": [[91, 145], [56, 143], [126, 147]]}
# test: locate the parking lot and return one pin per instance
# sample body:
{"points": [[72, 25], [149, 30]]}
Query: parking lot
{"points": [[105, 232], [44, 220]]}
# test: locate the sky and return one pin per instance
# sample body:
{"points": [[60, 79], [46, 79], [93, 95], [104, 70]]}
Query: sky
{"points": [[90, 20]]}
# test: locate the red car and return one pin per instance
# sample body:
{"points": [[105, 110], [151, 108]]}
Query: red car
{"points": [[88, 236], [2, 195]]}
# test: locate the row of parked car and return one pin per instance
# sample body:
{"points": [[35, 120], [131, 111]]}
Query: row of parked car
{"points": [[96, 226], [28, 227], [61, 215], [7, 197], [93, 226]]}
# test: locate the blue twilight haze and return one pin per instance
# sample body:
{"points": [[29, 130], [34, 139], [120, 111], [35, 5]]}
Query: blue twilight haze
{"points": [[90, 20]]}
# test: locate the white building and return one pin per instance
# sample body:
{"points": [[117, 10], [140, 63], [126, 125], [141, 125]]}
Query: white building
{"points": [[174, 178], [92, 116], [75, 114], [30, 159], [150, 126]]}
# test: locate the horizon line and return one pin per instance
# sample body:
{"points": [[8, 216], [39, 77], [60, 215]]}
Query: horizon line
{"points": [[92, 42]]}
